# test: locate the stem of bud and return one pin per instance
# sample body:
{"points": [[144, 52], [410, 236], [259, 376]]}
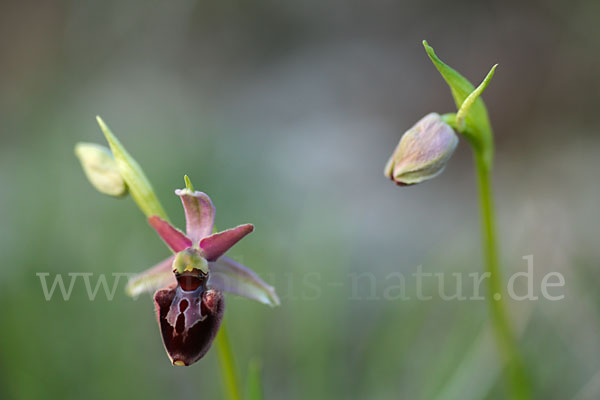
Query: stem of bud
{"points": [[515, 370], [472, 122]]}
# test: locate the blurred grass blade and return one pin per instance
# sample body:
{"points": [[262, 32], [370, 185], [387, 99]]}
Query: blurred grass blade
{"points": [[481, 367], [228, 372], [475, 376], [591, 390], [101, 169], [254, 388], [132, 173]]}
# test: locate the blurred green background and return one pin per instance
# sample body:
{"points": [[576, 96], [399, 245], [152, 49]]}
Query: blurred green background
{"points": [[285, 113]]}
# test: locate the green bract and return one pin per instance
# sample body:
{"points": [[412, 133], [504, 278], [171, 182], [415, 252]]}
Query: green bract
{"points": [[132, 174], [474, 120]]}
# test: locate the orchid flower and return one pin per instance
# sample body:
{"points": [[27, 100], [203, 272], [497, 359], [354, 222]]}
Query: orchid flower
{"points": [[189, 285], [189, 300]]}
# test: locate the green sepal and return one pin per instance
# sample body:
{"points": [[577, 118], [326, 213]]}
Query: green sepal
{"points": [[132, 174], [475, 123]]}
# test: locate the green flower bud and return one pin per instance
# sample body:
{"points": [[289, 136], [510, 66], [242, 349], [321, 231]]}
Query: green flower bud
{"points": [[101, 169], [422, 152]]}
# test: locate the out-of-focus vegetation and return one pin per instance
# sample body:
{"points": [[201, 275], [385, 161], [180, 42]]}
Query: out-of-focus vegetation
{"points": [[285, 113]]}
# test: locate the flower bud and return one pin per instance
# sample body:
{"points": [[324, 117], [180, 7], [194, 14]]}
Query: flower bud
{"points": [[101, 168], [422, 152]]}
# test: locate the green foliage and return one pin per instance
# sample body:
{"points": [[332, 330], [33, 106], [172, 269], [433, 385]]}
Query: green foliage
{"points": [[254, 388], [476, 126]]}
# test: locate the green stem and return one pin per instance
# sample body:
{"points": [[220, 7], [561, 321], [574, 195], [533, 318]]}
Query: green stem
{"points": [[515, 370], [228, 372]]}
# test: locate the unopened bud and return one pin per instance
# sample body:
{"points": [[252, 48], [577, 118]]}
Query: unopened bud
{"points": [[101, 168], [422, 152]]}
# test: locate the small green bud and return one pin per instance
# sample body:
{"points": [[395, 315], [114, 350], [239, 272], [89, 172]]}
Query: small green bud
{"points": [[101, 168], [190, 260], [422, 152]]}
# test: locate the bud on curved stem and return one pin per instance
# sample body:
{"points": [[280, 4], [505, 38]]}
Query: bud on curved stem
{"points": [[472, 121], [477, 129]]}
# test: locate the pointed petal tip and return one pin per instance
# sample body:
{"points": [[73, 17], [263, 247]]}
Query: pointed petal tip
{"points": [[230, 276], [217, 244], [131, 291], [269, 297], [173, 237], [273, 298], [135, 287]]}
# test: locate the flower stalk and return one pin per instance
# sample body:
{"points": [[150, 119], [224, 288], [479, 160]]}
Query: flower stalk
{"points": [[472, 122], [504, 332]]}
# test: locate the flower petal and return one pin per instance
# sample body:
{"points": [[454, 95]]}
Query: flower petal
{"points": [[157, 277], [172, 236], [214, 246], [189, 321], [230, 276], [199, 214]]}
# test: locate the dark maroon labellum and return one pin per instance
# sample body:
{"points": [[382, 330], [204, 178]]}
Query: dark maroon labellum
{"points": [[189, 316]]}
